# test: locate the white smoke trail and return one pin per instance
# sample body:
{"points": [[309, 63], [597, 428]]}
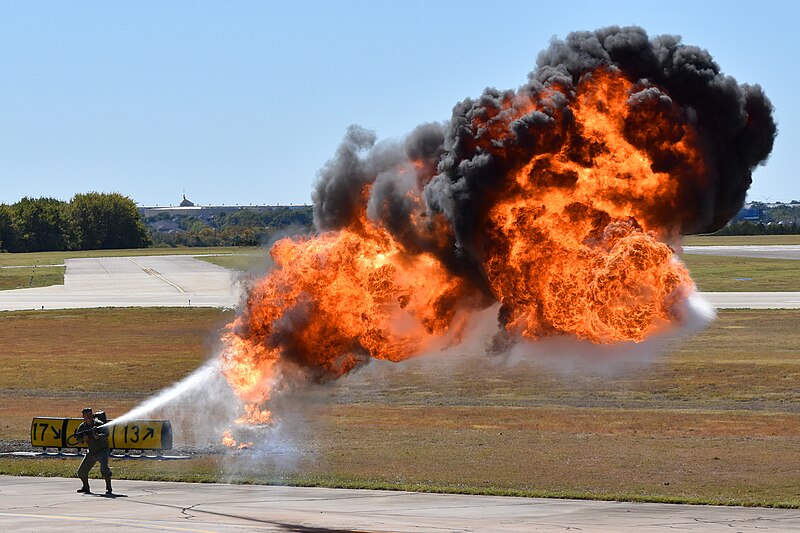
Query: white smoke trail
{"points": [[191, 382], [696, 313]]}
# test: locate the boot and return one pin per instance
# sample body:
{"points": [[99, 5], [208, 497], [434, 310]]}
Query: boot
{"points": [[108, 484], [85, 488]]}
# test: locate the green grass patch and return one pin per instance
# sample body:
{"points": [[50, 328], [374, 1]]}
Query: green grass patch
{"points": [[740, 240], [743, 274], [28, 277]]}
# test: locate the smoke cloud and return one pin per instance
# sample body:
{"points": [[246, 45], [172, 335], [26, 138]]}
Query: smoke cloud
{"points": [[558, 204], [555, 208], [460, 173]]}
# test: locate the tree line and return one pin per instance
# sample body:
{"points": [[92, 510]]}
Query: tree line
{"points": [[94, 221], [239, 227], [771, 219], [89, 221], [745, 227]]}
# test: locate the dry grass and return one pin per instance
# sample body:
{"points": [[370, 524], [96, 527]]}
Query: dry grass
{"points": [[655, 455], [121, 350], [55, 362], [715, 420]]}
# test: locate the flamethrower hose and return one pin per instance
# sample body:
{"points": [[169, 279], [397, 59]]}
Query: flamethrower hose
{"points": [[81, 433]]}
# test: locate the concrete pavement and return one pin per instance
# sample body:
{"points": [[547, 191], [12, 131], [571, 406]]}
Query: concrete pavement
{"points": [[43, 505], [148, 281], [753, 300]]}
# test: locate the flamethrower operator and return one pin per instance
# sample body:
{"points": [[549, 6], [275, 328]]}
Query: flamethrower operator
{"points": [[95, 435]]}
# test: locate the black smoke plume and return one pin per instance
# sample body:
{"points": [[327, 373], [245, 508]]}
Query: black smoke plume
{"points": [[453, 170], [434, 190], [558, 201]]}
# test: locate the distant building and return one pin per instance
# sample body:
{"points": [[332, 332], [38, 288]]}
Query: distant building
{"points": [[189, 208], [751, 214]]}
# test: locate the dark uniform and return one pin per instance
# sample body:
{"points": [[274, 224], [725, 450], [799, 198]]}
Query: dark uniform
{"points": [[98, 451]]}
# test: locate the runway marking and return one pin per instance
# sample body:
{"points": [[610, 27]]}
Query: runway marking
{"points": [[158, 275], [100, 263], [156, 524]]}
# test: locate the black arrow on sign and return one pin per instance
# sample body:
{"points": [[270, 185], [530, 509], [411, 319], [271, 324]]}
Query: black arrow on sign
{"points": [[56, 432], [149, 433]]}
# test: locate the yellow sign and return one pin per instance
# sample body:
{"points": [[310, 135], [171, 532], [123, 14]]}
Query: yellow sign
{"points": [[139, 434], [50, 432]]}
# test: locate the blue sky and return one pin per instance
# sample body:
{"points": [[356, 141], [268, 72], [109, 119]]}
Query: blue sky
{"points": [[243, 102]]}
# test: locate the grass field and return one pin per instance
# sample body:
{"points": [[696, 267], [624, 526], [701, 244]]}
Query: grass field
{"points": [[740, 240], [736, 274], [31, 276], [716, 419]]}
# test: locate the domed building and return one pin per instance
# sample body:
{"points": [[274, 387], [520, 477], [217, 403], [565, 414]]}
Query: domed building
{"points": [[189, 208]]}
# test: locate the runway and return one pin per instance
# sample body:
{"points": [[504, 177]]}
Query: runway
{"points": [[149, 281], [753, 300], [43, 505]]}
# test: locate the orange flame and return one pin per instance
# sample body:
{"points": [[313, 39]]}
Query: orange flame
{"points": [[254, 415], [575, 244], [352, 294], [228, 440]]}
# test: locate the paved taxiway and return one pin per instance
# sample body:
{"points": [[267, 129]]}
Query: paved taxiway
{"points": [[753, 300], [43, 505], [790, 251], [149, 281]]}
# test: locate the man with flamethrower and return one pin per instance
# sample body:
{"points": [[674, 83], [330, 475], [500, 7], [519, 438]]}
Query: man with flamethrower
{"points": [[92, 431]]}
